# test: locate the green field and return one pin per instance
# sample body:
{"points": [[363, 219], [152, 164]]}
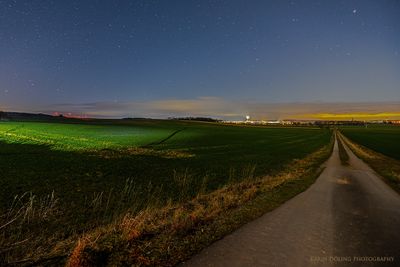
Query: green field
{"points": [[384, 139], [87, 174], [75, 160]]}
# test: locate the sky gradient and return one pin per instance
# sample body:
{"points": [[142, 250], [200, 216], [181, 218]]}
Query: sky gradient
{"points": [[217, 58]]}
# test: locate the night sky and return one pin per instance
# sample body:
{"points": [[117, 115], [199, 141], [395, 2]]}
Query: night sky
{"points": [[212, 58]]}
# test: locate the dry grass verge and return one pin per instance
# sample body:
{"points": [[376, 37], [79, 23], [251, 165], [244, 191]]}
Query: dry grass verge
{"points": [[387, 167], [344, 157], [165, 236]]}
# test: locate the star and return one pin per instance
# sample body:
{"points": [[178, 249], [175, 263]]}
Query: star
{"points": [[354, 11]]}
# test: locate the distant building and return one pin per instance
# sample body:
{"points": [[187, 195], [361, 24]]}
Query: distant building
{"points": [[274, 122], [287, 122]]}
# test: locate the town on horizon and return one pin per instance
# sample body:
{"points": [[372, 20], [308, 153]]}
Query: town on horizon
{"points": [[247, 120]]}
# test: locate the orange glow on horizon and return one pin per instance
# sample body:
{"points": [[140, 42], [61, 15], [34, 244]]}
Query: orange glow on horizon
{"points": [[357, 116]]}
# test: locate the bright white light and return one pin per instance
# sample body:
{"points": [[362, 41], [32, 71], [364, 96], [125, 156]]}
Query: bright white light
{"points": [[247, 117]]}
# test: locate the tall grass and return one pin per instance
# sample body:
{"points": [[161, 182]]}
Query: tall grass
{"points": [[21, 225], [343, 155], [26, 211], [167, 234], [26, 226], [107, 206]]}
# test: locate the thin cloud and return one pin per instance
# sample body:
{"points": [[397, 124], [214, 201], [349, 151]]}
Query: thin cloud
{"points": [[231, 110]]}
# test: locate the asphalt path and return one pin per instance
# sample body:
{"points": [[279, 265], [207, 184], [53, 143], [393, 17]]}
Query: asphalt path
{"points": [[348, 217]]}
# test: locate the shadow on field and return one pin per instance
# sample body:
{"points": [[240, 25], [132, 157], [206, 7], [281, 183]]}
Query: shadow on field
{"points": [[71, 192], [68, 192]]}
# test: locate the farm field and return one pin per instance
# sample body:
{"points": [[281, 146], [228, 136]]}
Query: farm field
{"points": [[384, 139], [84, 175]]}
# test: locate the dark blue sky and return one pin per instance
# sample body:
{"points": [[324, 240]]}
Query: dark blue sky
{"points": [[76, 52]]}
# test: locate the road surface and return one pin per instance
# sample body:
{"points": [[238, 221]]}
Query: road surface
{"points": [[348, 217]]}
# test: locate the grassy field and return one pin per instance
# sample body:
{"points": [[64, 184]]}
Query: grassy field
{"points": [[71, 178], [384, 139]]}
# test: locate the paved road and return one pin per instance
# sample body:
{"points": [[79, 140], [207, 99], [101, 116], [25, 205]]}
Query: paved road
{"points": [[349, 217]]}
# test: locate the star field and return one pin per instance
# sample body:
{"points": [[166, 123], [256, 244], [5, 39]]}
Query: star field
{"points": [[58, 52]]}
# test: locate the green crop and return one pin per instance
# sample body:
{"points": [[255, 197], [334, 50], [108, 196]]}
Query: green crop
{"points": [[384, 139], [72, 177]]}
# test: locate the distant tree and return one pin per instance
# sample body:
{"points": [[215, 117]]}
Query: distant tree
{"points": [[206, 119]]}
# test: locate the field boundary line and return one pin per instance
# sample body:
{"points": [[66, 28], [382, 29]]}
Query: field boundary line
{"points": [[165, 139]]}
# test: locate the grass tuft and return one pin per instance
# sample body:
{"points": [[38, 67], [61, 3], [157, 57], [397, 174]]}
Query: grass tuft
{"points": [[344, 157]]}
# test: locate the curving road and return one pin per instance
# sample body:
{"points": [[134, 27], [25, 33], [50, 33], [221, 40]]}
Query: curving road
{"points": [[348, 217]]}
